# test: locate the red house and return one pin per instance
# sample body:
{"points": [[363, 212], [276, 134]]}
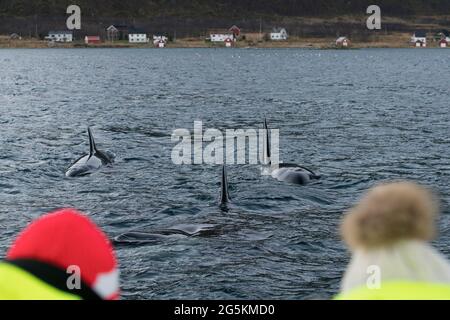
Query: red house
{"points": [[228, 42], [91, 39], [443, 43], [235, 30]]}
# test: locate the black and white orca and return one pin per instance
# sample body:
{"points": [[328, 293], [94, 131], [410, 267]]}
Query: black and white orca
{"points": [[91, 162], [224, 199], [143, 237], [155, 236], [285, 172]]}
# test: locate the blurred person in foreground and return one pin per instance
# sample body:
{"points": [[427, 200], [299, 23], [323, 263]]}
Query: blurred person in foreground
{"points": [[388, 233], [60, 256]]}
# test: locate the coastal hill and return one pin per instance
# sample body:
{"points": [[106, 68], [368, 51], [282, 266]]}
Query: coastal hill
{"points": [[191, 18], [222, 8]]}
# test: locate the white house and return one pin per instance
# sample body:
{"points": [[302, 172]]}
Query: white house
{"points": [[279, 34], [158, 40], [221, 36], [419, 39], [342, 42], [60, 36], [15, 36], [137, 36]]}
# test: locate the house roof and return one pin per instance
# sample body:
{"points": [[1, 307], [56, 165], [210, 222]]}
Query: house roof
{"points": [[136, 31], [445, 33], [117, 27], [420, 34], [220, 31], [278, 30], [235, 29], [340, 39], [61, 32]]}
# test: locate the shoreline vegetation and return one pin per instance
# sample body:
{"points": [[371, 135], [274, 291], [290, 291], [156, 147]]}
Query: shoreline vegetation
{"points": [[393, 40], [304, 32]]}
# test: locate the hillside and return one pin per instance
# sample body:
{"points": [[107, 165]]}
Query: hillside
{"points": [[191, 18], [221, 8]]}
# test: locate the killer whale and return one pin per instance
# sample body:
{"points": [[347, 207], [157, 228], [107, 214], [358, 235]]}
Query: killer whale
{"points": [[285, 172], [224, 199], [90, 162], [144, 237], [155, 236]]}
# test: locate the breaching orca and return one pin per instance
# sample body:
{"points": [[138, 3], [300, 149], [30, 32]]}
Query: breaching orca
{"points": [[91, 162], [286, 172]]}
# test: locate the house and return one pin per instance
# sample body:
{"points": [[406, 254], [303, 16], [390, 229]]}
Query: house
{"points": [[343, 42], [161, 44], [15, 36], [137, 36], [278, 34], [419, 39], [221, 35], [228, 42], [443, 34], [117, 32], [60, 36], [158, 39], [443, 43], [91, 39], [236, 31]]}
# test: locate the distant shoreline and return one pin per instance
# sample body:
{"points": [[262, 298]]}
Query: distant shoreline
{"points": [[387, 41]]}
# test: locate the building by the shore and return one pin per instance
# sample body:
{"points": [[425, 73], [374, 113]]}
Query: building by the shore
{"points": [[15, 36], [343, 42], [137, 36], [419, 38], [236, 31], [229, 43], [278, 34], [220, 35], [117, 32], [92, 39], [443, 34], [60, 36], [157, 38]]}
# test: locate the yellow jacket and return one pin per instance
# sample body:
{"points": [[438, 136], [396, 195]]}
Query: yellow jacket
{"points": [[18, 284], [400, 290]]}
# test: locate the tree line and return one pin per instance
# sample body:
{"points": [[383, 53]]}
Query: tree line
{"points": [[221, 8]]}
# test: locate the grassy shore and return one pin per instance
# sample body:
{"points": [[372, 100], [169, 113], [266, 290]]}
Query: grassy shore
{"points": [[392, 40]]}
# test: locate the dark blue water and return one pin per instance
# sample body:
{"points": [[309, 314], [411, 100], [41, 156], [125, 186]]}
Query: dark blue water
{"points": [[357, 117]]}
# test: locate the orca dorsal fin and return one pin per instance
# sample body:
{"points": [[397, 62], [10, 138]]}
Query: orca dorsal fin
{"points": [[224, 195], [92, 148], [267, 153]]}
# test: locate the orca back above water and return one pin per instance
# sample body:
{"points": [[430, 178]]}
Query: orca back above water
{"points": [[285, 172], [91, 162], [146, 237], [159, 235]]}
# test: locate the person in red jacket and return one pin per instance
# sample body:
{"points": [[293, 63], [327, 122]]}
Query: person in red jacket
{"points": [[62, 255]]}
